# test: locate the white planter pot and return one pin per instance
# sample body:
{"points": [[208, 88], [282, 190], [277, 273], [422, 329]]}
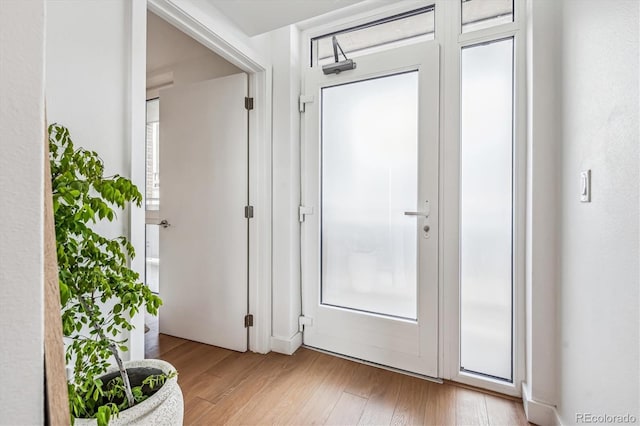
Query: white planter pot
{"points": [[164, 408]]}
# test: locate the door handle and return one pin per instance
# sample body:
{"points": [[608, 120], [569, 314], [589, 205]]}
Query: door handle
{"points": [[164, 223], [426, 229], [423, 214]]}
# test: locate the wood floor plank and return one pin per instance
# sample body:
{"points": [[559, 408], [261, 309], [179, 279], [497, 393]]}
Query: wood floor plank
{"points": [[347, 410], [260, 410], [261, 377], [289, 406], [441, 405], [226, 387], [193, 358], [234, 364], [196, 410], [383, 397], [219, 387], [363, 381], [412, 400], [319, 406], [503, 412], [471, 408]]}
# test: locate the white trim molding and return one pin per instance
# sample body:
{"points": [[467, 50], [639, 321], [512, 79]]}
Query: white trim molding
{"points": [[539, 413], [137, 120], [205, 24], [286, 346]]}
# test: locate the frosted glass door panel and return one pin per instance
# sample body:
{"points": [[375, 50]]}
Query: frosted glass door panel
{"points": [[486, 209], [369, 179]]}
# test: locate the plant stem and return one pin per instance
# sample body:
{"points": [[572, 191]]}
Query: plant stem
{"points": [[114, 351]]}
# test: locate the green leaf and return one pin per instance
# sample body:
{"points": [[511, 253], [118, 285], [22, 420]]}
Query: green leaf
{"points": [[95, 282]]}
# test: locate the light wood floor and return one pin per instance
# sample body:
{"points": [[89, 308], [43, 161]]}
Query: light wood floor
{"points": [[226, 387]]}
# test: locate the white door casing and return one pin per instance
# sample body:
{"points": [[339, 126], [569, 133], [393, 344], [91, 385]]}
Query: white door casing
{"points": [[401, 343], [204, 189]]}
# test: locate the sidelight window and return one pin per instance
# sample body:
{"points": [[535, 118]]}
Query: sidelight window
{"points": [[486, 226]]}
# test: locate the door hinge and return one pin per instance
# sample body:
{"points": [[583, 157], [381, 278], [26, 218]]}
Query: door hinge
{"points": [[248, 103], [304, 211], [304, 321], [248, 320], [304, 100], [248, 212]]}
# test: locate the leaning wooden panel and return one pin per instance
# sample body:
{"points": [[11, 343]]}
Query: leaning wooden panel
{"points": [[56, 401]]}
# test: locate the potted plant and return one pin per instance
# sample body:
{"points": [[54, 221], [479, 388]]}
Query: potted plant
{"points": [[100, 294]]}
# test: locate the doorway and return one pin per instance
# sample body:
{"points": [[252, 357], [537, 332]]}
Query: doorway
{"points": [[197, 188]]}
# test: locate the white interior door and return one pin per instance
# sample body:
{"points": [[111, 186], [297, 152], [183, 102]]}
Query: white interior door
{"points": [[370, 277], [203, 192]]}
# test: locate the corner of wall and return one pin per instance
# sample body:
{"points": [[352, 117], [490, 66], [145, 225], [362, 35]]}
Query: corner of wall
{"points": [[543, 141], [286, 188], [22, 126], [537, 412], [286, 346]]}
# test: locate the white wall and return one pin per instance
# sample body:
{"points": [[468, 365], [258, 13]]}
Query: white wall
{"points": [[90, 91], [284, 47], [21, 213], [599, 285], [583, 324], [174, 57], [543, 150], [87, 80]]}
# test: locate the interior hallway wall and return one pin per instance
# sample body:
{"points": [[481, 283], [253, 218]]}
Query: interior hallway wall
{"points": [[599, 320], [87, 91], [284, 45], [90, 54], [22, 44], [174, 57]]}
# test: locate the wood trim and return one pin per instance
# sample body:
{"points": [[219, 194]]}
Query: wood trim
{"points": [[56, 397]]}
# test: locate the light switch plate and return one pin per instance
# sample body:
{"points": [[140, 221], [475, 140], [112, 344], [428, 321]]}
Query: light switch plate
{"points": [[585, 186]]}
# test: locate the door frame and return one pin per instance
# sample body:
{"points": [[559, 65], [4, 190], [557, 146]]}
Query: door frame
{"points": [[453, 41], [227, 44], [351, 17], [450, 41]]}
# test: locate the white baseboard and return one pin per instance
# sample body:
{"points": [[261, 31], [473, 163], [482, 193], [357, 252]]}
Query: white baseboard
{"points": [[537, 412], [286, 346]]}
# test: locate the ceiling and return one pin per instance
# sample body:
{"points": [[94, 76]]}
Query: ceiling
{"points": [[259, 16]]}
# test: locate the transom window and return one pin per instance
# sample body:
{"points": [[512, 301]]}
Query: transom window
{"points": [[480, 14], [406, 28]]}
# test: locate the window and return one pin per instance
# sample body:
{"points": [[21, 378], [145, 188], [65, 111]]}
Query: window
{"points": [[479, 14], [152, 161], [369, 178], [409, 27], [486, 226]]}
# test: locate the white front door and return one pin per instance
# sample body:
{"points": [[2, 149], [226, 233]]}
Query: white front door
{"points": [[370, 247], [203, 193]]}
